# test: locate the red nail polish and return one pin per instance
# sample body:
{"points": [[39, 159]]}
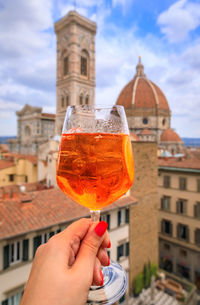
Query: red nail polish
{"points": [[109, 245], [101, 228], [108, 262], [101, 274]]}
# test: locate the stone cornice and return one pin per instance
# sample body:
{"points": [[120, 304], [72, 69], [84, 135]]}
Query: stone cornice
{"points": [[74, 17]]}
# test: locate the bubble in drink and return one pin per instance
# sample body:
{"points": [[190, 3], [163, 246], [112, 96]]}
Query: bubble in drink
{"points": [[95, 169]]}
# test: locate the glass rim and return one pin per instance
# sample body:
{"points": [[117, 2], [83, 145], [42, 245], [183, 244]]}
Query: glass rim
{"points": [[96, 106]]}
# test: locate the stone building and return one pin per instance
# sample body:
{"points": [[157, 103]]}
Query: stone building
{"points": [[75, 63], [179, 215], [33, 128], [148, 112]]}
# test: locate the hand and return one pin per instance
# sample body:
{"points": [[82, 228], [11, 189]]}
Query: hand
{"points": [[66, 266]]}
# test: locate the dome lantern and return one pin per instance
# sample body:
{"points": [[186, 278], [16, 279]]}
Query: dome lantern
{"points": [[140, 69]]}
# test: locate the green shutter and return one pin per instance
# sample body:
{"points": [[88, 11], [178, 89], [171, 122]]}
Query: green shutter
{"points": [[5, 302], [119, 218], [37, 240], [51, 234], [127, 216], [127, 249], [108, 220], [6, 257], [25, 249]]}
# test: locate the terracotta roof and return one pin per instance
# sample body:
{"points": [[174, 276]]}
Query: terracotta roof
{"points": [[134, 137], [140, 92], [6, 163], [46, 209], [189, 161], [146, 132], [49, 115], [12, 156], [170, 135]]}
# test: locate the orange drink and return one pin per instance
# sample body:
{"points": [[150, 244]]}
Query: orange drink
{"points": [[95, 169]]}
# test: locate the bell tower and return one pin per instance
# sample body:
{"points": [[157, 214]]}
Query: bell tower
{"points": [[75, 81]]}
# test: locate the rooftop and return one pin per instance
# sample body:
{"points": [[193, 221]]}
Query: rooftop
{"points": [[43, 209], [191, 160]]}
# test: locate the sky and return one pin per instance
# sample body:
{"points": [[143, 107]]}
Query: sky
{"points": [[166, 34]]}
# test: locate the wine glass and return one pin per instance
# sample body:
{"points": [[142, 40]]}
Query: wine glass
{"points": [[95, 168]]}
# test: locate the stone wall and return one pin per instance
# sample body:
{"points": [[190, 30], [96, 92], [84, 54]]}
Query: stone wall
{"points": [[144, 215]]}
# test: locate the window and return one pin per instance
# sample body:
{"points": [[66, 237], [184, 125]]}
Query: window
{"points": [[106, 218], [197, 237], [15, 252], [83, 66], [163, 122], [165, 203], [65, 66], [67, 100], [81, 99], [197, 210], [127, 215], [87, 100], [166, 181], [26, 179], [62, 102], [145, 121], [182, 183], [13, 300], [11, 178], [181, 206], [166, 227], [183, 232], [198, 185], [119, 218], [123, 250]]}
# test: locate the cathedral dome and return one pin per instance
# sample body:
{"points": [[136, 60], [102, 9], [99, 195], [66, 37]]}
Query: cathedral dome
{"points": [[141, 93], [170, 135]]}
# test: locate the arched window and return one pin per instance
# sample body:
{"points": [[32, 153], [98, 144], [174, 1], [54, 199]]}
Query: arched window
{"points": [[27, 131], [87, 100], [65, 65], [81, 99], [62, 102], [84, 63], [67, 100], [163, 122]]}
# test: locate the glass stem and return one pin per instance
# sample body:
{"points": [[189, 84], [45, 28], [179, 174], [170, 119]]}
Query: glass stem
{"points": [[95, 215]]}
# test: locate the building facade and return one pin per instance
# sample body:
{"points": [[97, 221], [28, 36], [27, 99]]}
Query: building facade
{"points": [[33, 128], [17, 169], [179, 216], [75, 83]]}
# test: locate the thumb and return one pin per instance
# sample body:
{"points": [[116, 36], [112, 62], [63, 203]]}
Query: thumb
{"points": [[90, 245]]}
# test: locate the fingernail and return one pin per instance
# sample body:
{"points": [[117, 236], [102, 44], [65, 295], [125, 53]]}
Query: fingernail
{"points": [[108, 262], [101, 274], [101, 228], [109, 245]]}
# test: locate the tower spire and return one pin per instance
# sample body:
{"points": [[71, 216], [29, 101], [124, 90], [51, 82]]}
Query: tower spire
{"points": [[140, 68]]}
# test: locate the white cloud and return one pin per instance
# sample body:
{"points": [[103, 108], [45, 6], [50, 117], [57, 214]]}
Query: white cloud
{"points": [[179, 20]]}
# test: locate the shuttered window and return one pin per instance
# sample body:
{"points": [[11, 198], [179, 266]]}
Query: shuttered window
{"points": [[15, 252], [182, 183], [181, 206], [25, 249], [37, 240]]}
